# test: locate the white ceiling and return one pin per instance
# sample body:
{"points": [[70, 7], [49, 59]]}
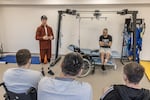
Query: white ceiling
{"points": [[71, 2]]}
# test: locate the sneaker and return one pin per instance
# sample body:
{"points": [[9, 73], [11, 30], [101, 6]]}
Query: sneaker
{"points": [[42, 71], [103, 68], [51, 72], [49, 60]]}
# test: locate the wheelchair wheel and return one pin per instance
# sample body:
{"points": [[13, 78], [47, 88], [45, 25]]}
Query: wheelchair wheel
{"points": [[86, 68], [6, 96]]}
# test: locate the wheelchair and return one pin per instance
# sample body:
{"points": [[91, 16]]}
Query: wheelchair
{"points": [[31, 94], [91, 58]]}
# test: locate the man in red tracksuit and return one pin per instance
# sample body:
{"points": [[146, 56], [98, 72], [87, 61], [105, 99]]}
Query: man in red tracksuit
{"points": [[45, 35]]}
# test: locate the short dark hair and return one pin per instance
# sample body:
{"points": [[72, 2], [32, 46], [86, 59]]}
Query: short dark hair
{"points": [[43, 17], [106, 29], [134, 72], [72, 64], [23, 56]]}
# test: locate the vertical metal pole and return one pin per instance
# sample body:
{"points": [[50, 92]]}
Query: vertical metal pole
{"points": [[134, 17], [79, 32], [57, 39], [58, 33]]}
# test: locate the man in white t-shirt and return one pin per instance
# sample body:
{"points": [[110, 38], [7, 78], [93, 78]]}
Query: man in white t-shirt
{"points": [[19, 80], [65, 87]]}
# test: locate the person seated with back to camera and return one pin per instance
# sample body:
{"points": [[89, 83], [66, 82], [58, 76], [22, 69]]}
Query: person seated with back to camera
{"points": [[65, 87], [132, 75], [105, 42], [19, 80]]}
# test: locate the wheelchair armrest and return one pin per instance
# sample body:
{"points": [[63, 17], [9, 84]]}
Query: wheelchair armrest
{"points": [[33, 93], [31, 90]]}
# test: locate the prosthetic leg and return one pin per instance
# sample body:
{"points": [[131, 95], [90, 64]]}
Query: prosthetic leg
{"points": [[50, 72], [42, 70]]}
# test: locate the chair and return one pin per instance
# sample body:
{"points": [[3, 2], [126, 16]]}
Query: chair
{"points": [[31, 94]]}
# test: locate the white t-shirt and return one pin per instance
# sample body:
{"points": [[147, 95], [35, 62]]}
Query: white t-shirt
{"points": [[63, 89], [46, 30], [19, 80]]}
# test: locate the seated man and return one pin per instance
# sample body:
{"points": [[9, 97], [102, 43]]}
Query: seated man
{"points": [[105, 42], [133, 73], [65, 87], [19, 80]]}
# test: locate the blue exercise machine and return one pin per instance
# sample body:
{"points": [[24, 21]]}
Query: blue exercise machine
{"points": [[128, 40]]}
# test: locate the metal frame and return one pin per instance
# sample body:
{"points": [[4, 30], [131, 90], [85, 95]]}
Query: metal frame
{"points": [[60, 13], [139, 21], [75, 13]]}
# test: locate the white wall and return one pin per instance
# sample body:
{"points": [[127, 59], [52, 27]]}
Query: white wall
{"points": [[19, 23], [1, 26]]}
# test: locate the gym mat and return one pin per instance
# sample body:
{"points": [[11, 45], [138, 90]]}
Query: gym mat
{"points": [[12, 59], [146, 65]]}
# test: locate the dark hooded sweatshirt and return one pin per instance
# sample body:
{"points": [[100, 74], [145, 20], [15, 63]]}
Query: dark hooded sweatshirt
{"points": [[122, 92]]}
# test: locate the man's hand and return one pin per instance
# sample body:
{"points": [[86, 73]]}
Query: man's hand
{"points": [[102, 44], [51, 37], [45, 37], [106, 44]]}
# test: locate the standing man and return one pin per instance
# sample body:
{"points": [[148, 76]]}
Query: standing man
{"points": [[105, 42], [45, 35]]}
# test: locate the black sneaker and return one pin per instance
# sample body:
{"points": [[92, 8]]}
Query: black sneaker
{"points": [[42, 71], [103, 68], [51, 72], [49, 60]]}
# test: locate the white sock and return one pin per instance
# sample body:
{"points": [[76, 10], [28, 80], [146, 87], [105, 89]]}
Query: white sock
{"points": [[106, 60]]}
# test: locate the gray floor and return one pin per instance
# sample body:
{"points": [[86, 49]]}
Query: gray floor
{"points": [[99, 80]]}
